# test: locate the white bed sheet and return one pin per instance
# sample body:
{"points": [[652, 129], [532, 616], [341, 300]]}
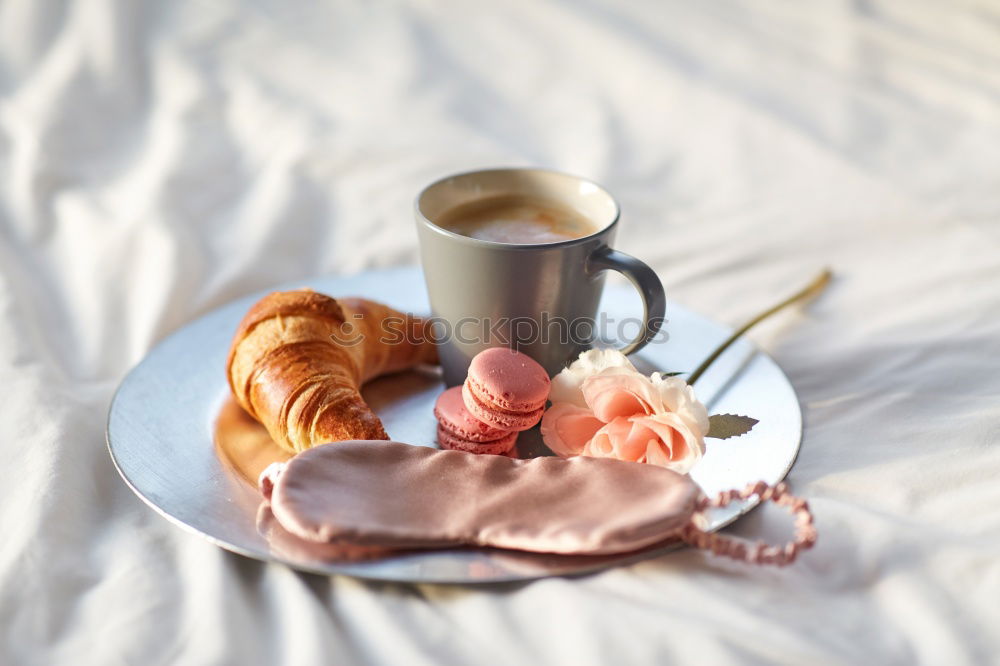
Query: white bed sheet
{"points": [[160, 159]]}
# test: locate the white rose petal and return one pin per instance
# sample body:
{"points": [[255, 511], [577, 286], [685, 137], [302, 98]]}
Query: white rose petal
{"points": [[678, 397], [566, 386]]}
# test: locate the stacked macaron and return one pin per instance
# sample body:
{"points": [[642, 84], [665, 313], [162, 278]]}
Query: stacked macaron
{"points": [[504, 393], [461, 431], [506, 389]]}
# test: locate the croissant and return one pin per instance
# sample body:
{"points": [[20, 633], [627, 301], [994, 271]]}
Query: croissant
{"points": [[299, 358]]}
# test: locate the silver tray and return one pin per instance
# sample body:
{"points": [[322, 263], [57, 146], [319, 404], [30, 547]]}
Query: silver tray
{"points": [[163, 427]]}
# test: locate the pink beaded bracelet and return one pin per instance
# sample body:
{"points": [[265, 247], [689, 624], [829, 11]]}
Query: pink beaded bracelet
{"points": [[760, 552]]}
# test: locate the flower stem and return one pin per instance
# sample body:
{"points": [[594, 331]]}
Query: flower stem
{"points": [[814, 289]]}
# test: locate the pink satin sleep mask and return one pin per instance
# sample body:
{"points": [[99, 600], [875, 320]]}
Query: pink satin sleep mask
{"points": [[397, 496]]}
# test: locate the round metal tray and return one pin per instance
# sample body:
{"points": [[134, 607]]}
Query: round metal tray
{"points": [[163, 420]]}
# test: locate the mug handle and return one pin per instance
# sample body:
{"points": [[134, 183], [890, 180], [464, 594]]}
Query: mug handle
{"points": [[646, 282]]}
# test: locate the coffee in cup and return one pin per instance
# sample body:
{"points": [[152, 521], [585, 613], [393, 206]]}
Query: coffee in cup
{"points": [[518, 219]]}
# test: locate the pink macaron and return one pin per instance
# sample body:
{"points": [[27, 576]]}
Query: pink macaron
{"points": [[506, 389], [452, 415], [498, 447], [459, 430]]}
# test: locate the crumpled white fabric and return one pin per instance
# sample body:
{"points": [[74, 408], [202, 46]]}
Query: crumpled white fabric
{"points": [[160, 159]]}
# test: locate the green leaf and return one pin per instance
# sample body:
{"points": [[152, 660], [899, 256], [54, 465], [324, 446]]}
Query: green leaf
{"points": [[671, 374], [724, 426]]}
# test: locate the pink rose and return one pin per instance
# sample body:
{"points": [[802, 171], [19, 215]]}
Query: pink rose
{"points": [[603, 407]]}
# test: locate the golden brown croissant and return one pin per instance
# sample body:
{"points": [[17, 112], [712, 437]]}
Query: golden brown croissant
{"points": [[296, 364]]}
